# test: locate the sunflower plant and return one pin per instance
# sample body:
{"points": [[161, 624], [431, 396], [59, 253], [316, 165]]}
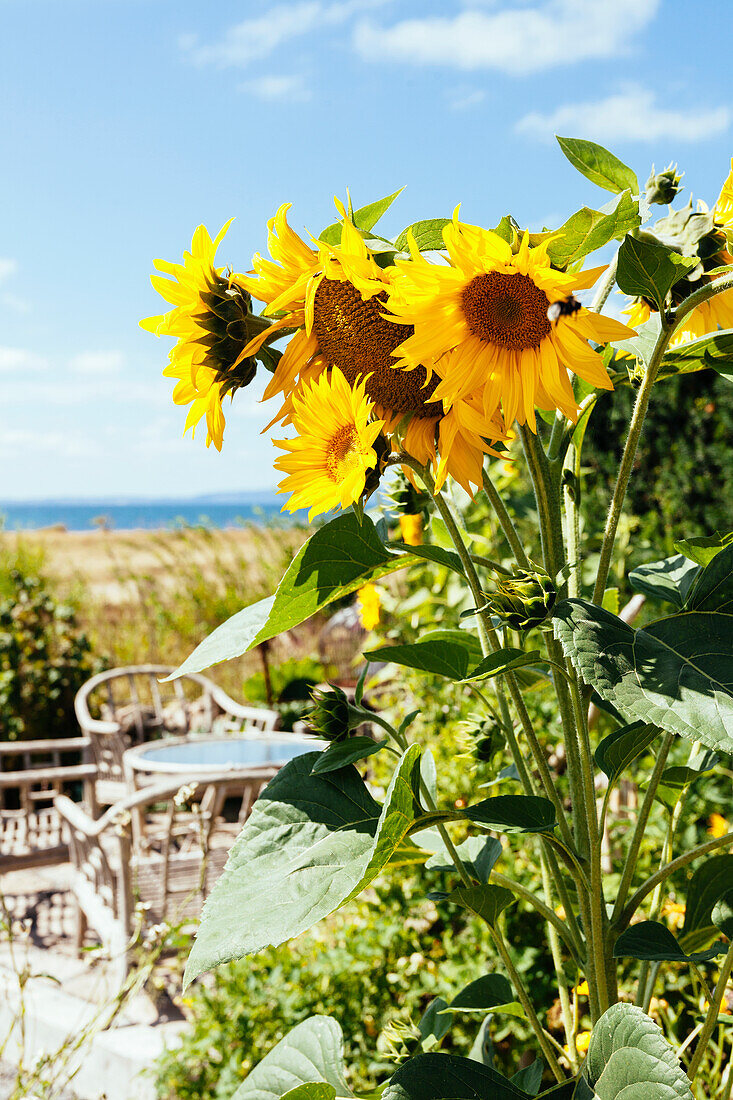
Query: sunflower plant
{"points": [[431, 357]]}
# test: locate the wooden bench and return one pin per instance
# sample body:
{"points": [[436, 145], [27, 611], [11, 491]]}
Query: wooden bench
{"points": [[171, 877], [30, 826], [128, 706]]}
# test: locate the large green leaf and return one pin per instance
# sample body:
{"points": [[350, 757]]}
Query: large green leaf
{"points": [[335, 561], [587, 230], [712, 588], [504, 660], [341, 753], [653, 942], [649, 269], [428, 235], [642, 345], [621, 747], [513, 813], [629, 1057], [714, 351], [710, 882], [490, 993], [434, 1025], [445, 1077], [312, 1052], [599, 165], [668, 579], [311, 843], [442, 658], [466, 638], [676, 673], [365, 218], [436, 554], [722, 914], [530, 1077], [703, 548], [487, 902], [478, 853]]}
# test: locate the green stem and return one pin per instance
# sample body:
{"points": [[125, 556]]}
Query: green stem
{"points": [[488, 563], [637, 422], [505, 521], [526, 1004], [544, 910], [622, 921], [605, 286], [572, 521], [713, 1012], [580, 761], [640, 827]]}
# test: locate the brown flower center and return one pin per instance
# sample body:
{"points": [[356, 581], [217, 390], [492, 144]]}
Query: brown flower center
{"points": [[508, 310], [353, 336], [342, 452]]}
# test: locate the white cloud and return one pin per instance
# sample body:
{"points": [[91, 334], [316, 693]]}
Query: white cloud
{"points": [[256, 38], [632, 114], [16, 441], [15, 303], [282, 89], [462, 101], [20, 359], [515, 38], [97, 362], [7, 268]]}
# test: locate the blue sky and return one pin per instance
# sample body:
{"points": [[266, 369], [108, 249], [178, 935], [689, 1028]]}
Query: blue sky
{"points": [[125, 123]]}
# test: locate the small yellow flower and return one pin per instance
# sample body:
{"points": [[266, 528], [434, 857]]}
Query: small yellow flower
{"points": [[674, 911], [718, 825], [369, 605], [582, 1042], [581, 990], [329, 459], [560, 910], [411, 529]]}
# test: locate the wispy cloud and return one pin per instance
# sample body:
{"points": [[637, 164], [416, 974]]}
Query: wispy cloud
{"points": [[253, 39], [632, 114], [97, 362], [511, 38], [14, 441], [278, 89], [21, 359], [464, 100], [7, 268]]}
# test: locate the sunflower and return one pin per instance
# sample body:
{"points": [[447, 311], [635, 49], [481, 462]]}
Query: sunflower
{"points": [[328, 461], [335, 297], [483, 322], [709, 235], [212, 322]]}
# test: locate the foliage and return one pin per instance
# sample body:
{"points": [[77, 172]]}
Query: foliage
{"points": [[44, 660], [526, 623]]}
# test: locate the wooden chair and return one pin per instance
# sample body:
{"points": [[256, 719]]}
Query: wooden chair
{"points": [[30, 827], [111, 875], [127, 706]]}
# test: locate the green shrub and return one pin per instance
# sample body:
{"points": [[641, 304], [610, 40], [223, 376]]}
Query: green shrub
{"points": [[44, 660]]}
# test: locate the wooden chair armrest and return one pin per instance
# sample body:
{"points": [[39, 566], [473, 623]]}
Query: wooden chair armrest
{"points": [[64, 774], [52, 744]]}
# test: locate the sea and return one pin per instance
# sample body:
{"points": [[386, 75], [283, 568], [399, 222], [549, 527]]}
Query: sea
{"points": [[127, 515]]}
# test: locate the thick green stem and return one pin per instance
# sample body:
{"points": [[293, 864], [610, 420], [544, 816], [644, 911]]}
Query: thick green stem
{"points": [[572, 712], [526, 1004], [713, 1012], [505, 521]]}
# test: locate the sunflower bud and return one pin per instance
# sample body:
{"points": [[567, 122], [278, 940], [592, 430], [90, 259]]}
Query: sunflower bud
{"points": [[663, 187], [228, 325], [525, 600], [329, 716], [407, 500]]}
